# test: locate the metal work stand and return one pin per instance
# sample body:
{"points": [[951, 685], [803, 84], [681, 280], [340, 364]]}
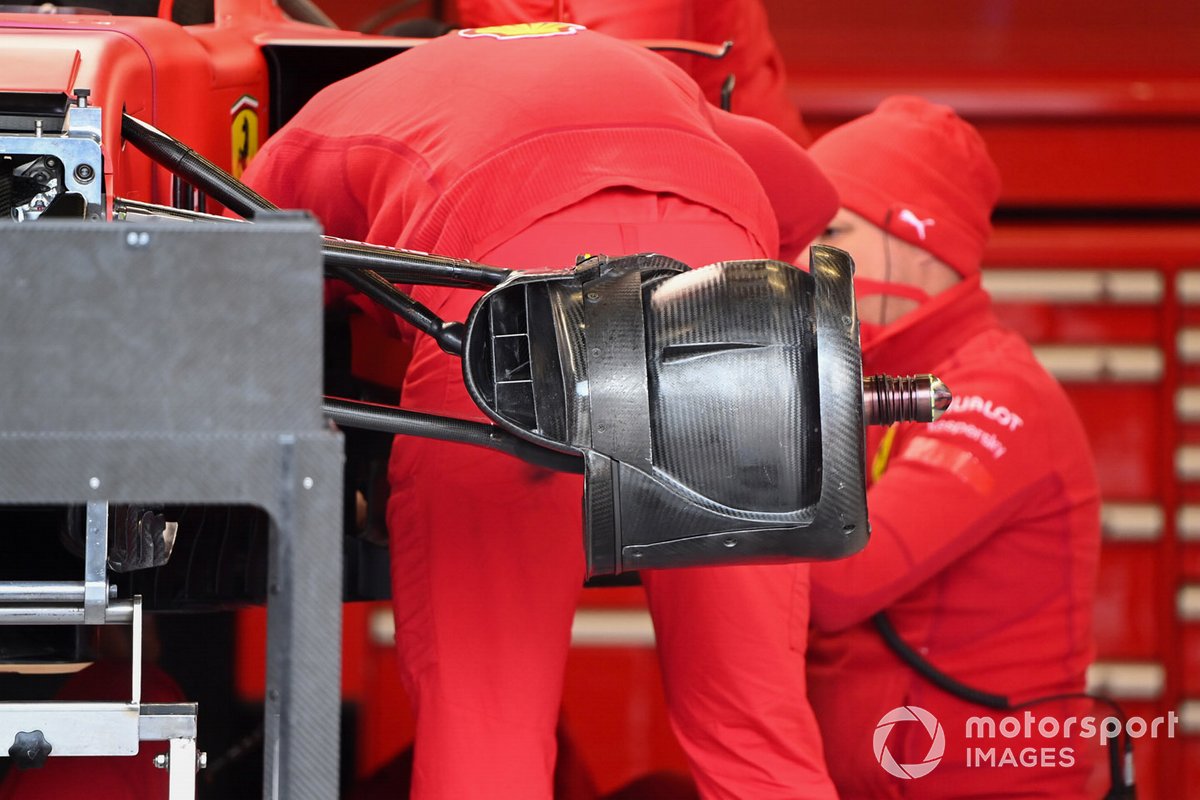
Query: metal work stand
{"points": [[40, 730], [175, 363]]}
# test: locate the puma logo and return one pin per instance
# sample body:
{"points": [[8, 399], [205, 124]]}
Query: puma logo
{"points": [[916, 222]]}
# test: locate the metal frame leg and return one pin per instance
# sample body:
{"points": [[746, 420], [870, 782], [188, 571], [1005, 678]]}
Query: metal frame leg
{"points": [[181, 770], [304, 619]]}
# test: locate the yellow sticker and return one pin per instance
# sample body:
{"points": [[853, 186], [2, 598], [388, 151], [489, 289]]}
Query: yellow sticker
{"points": [[883, 455], [244, 133], [524, 30]]}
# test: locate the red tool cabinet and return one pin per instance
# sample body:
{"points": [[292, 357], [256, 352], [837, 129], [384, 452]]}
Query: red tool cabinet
{"points": [[1108, 308]]}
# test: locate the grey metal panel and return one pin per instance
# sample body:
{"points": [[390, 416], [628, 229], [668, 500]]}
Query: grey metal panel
{"points": [[172, 327], [178, 363], [180, 468]]}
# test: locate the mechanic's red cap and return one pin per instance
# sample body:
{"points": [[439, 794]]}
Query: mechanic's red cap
{"points": [[804, 200], [918, 171]]}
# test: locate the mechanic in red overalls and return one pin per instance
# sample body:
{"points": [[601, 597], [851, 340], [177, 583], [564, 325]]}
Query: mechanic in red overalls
{"points": [[985, 524], [522, 146]]}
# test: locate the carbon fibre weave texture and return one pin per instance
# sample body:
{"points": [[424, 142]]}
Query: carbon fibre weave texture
{"points": [[730, 411], [163, 327]]}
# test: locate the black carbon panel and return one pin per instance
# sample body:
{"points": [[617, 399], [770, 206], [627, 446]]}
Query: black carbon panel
{"points": [[732, 375], [835, 526], [843, 504], [566, 299], [614, 332]]}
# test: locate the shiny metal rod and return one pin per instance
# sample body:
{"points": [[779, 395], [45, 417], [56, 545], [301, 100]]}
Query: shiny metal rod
{"points": [[41, 592], [117, 613]]}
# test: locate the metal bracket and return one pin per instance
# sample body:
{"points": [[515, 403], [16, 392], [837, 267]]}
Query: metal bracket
{"points": [[95, 572]]}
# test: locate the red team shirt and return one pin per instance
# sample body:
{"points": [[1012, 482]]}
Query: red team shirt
{"points": [[392, 162], [983, 552]]}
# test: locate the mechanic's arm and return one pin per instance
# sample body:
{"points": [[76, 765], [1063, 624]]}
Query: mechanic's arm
{"points": [[947, 488]]}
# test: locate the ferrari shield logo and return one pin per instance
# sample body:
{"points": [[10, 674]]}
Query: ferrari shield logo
{"points": [[244, 133]]}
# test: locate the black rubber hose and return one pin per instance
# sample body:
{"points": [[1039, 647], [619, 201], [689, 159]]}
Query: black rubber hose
{"points": [[448, 335], [1121, 785], [398, 265], [185, 162], [932, 674], [388, 419], [197, 170], [402, 266]]}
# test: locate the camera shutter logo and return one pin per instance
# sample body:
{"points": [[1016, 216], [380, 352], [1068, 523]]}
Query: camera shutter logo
{"points": [[937, 742]]}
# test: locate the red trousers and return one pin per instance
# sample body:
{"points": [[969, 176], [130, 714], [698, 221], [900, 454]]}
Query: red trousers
{"points": [[487, 568]]}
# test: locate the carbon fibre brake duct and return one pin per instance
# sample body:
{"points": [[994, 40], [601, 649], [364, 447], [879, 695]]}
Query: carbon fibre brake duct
{"points": [[717, 413], [719, 410]]}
